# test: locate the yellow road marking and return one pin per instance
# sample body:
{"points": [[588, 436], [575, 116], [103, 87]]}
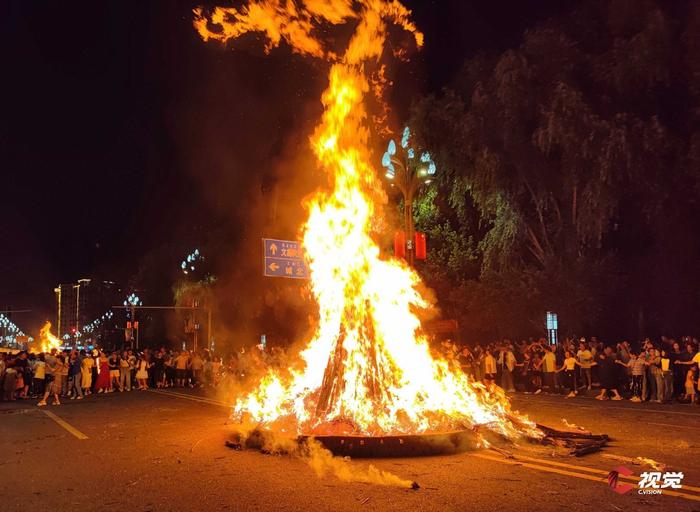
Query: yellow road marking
{"points": [[191, 397], [200, 399], [70, 428], [590, 470], [584, 476]]}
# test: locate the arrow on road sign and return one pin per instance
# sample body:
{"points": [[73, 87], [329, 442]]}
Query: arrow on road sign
{"points": [[284, 258]]}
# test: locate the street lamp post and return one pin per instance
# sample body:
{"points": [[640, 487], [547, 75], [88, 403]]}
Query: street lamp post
{"points": [[189, 265], [133, 301], [408, 174]]}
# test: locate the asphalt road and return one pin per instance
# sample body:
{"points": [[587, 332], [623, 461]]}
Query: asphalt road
{"points": [[146, 451]]}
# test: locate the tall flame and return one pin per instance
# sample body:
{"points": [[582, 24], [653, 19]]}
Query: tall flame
{"points": [[48, 341], [368, 367]]}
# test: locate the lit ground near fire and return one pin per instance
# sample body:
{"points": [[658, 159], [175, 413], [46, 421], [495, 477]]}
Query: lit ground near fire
{"points": [[150, 451]]}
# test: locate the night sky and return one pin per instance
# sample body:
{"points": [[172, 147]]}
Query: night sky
{"points": [[122, 132]]}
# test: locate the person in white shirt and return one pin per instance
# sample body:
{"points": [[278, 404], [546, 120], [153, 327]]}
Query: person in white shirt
{"points": [[585, 360], [569, 369]]}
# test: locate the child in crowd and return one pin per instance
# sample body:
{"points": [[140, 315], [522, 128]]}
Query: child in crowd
{"points": [[690, 384], [638, 367]]}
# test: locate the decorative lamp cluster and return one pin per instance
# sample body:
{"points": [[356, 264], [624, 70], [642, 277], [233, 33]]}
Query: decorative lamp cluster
{"points": [[424, 165], [9, 330], [98, 321], [188, 264]]}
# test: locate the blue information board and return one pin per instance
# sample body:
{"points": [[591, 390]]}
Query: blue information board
{"points": [[552, 327], [284, 258]]}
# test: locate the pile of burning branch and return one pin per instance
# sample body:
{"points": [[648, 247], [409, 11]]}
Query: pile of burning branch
{"points": [[578, 442]]}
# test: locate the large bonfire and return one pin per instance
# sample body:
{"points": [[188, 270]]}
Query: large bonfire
{"points": [[368, 368]]}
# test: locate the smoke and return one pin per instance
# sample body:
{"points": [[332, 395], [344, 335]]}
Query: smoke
{"points": [[323, 462], [319, 458]]}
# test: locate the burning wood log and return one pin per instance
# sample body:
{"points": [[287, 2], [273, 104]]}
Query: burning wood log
{"points": [[565, 434], [331, 386], [579, 443]]}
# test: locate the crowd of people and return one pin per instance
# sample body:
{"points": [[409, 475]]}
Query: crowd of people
{"points": [[74, 374], [664, 372]]}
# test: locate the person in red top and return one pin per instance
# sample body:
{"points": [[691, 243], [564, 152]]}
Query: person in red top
{"points": [[104, 382]]}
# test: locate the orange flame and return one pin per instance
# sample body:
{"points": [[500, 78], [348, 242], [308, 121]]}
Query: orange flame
{"points": [[48, 341], [368, 366]]}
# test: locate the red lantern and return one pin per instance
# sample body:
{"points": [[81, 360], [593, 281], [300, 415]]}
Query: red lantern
{"points": [[421, 249], [400, 244]]}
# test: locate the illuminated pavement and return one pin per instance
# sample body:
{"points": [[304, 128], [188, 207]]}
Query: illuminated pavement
{"points": [[147, 451]]}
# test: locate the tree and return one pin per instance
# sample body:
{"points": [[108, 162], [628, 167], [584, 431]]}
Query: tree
{"points": [[551, 143]]}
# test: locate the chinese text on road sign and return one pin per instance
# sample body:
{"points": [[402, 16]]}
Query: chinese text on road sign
{"points": [[284, 258]]}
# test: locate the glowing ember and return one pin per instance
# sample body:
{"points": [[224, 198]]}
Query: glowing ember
{"points": [[368, 369], [48, 340]]}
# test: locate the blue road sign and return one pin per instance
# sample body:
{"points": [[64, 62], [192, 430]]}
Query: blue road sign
{"points": [[284, 258]]}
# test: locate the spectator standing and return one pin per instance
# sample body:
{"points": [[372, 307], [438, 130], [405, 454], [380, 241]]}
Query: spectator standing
{"points": [[132, 364], [690, 384], [9, 382], [656, 374], [478, 363], [569, 369], [507, 362], [489, 367], [142, 373], [216, 365], [182, 362], [86, 367], [637, 367], [24, 374], [103, 384], [39, 375], [196, 366], [55, 367], [75, 377], [536, 372], [608, 375], [124, 373], [549, 369], [159, 369], [64, 368], [675, 355], [113, 363], [466, 361], [585, 360], [169, 363], [666, 377]]}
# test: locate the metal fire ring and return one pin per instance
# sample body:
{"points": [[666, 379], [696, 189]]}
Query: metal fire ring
{"points": [[404, 445]]}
